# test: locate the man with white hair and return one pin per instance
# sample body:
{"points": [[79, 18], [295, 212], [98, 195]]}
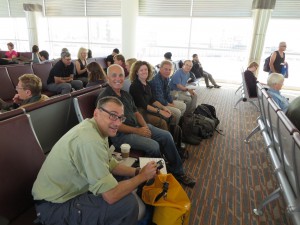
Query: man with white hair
{"points": [[275, 82]]}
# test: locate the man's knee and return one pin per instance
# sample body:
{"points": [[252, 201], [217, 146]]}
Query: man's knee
{"points": [[77, 84], [65, 88]]}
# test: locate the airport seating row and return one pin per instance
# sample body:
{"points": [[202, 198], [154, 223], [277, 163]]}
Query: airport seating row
{"points": [[245, 94], [282, 140], [27, 55], [9, 75]]}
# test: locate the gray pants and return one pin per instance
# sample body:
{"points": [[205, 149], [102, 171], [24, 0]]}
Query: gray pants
{"points": [[89, 209], [189, 100], [64, 88], [207, 76]]}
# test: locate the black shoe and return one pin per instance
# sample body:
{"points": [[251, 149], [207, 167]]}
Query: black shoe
{"points": [[209, 86], [186, 180], [217, 86]]}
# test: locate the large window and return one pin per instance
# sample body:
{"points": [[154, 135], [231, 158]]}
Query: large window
{"points": [[14, 30], [283, 30], [220, 50]]}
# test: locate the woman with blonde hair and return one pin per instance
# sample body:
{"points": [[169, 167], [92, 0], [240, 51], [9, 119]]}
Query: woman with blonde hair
{"points": [[153, 111], [129, 62], [80, 66]]}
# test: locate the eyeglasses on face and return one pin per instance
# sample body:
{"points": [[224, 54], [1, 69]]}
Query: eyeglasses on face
{"points": [[19, 88], [113, 116]]}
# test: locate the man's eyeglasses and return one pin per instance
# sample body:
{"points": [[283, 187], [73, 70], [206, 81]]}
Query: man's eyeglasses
{"points": [[19, 88], [113, 116]]}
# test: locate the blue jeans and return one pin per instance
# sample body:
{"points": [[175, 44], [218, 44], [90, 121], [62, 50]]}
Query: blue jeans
{"points": [[161, 142]]}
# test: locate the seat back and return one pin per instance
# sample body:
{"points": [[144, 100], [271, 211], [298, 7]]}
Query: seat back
{"points": [[274, 120], [7, 90], [260, 99], [265, 103], [126, 84], [89, 60], [101, 61], [11, 113], [286, 130], [296, 137], [85, 104], [50, 119], [20, 162], [15, 72], [42, 71]]}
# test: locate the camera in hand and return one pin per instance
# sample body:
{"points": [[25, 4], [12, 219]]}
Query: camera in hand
{"points": [[159, 164]]}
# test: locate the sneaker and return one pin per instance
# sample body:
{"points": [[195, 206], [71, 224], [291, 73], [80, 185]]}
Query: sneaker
{"points": [[209, 86], [186, 180], [217, 86]]}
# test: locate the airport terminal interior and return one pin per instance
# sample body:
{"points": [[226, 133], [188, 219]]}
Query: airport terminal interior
{"points": [[233, 177]]}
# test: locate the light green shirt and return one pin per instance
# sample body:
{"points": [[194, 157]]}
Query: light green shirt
{"points": [[79, 162]]}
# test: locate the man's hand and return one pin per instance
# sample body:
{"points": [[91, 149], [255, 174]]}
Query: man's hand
{"points": [[149, 170], [144, 131], [17, 99], [165, 113], [192, 91], [171, 104]]}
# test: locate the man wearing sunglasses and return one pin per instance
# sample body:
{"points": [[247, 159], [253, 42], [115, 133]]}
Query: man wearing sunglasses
{"points": [[137, 133], [76, 184]]}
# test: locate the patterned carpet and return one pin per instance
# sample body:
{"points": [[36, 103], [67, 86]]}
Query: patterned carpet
{"points": [[232, 177]]}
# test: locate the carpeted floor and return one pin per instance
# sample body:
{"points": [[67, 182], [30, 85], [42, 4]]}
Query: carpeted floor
{"points": [[232, 176]]}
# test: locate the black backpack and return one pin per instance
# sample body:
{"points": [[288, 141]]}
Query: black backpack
{"points": [[208, 111], [266, 64], [205, 121], [176, 132]]}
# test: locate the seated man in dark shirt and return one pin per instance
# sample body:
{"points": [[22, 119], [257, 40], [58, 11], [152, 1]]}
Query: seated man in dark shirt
{"points": [[140, 135], [110, 58], [61, 76], [197, 69]]}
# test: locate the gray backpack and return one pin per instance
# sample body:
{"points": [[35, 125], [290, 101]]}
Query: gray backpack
{"points": [[203, 126]]}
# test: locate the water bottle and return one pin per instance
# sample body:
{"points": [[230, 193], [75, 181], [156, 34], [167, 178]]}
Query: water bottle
{"points": [[283, 70]]}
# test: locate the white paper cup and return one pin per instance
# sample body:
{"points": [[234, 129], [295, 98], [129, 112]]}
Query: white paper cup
{"points": [[125, 150]]}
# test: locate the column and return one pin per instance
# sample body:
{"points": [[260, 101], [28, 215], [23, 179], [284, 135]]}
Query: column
{"points": [[261, 13], [33, 13], [129, 13]]}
